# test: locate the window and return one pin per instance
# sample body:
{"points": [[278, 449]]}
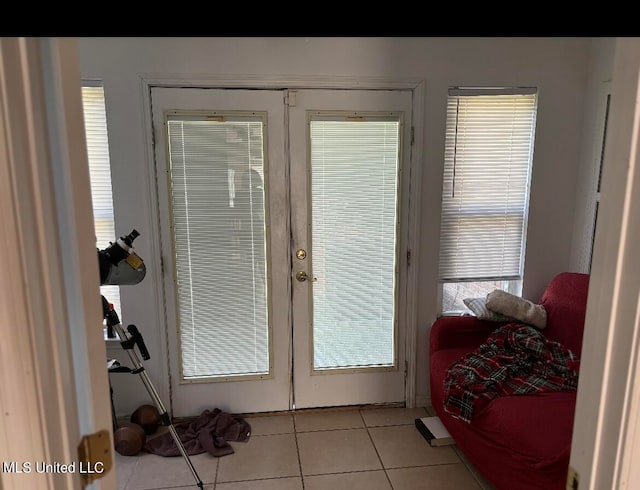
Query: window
{"points": [[354, 181], [488, 155], [218, 213], [95, 123]]}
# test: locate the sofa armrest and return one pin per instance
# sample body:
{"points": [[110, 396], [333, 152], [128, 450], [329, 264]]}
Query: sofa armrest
{"points": [[449, 332]]}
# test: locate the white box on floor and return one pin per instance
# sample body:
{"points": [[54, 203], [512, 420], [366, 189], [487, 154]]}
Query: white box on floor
{"points": [[434, 431]]}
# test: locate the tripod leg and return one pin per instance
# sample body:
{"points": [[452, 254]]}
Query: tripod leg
{"points": [[113, 410], [166, 420]]}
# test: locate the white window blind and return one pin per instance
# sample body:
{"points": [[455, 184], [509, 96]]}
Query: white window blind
{"points": [[217, 199], [354, 175], [488, 155], [95, 123]]}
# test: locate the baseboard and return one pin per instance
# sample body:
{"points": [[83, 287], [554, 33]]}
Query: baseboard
{"points": [[423, 401]]}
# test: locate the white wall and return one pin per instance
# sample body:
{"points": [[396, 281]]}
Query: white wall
{"points": [[601, 51], [558, 67]]}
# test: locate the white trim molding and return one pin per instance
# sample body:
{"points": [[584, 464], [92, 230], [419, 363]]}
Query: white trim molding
{"points": [[415, 218], [272, 82]]}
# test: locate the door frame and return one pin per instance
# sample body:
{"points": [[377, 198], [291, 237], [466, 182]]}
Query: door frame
{"points": [[54, 386], [606, 432], [409, 314]]}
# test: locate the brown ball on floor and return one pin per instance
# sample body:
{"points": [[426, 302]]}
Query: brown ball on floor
{"points": [[147, 417], [129, 439]]}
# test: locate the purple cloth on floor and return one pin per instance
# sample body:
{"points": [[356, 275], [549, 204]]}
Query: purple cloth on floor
{"points": [[209, 432]]}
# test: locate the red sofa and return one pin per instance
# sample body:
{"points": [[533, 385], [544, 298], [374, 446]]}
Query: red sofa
{"points": [[517, 442]]}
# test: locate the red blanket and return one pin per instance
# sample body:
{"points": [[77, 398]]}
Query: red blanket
{"points": [[515, 360]]}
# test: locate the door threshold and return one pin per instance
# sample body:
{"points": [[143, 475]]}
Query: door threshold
{"points": [[339, 408]]}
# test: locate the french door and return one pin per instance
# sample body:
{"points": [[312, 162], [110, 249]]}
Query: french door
{"points": [[282, 219], [347, 150]]}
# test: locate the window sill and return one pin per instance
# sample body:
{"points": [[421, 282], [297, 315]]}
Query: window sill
{"points": [[454, 313]]}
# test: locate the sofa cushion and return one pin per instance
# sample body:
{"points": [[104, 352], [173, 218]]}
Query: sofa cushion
{"points": [[442, 360], [565, 300], [460, 331]]}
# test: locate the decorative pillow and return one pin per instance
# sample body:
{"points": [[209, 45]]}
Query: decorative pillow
{"points": [[479, 308], [516, 307]]}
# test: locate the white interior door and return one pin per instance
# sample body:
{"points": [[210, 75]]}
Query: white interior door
{"points": [[222, 195], [348, 149]]}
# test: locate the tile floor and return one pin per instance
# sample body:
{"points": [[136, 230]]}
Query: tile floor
{"points": [[373, 449]]}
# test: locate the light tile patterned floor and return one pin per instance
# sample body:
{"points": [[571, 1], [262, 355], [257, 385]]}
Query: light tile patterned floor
{"points": [[342, 449]]}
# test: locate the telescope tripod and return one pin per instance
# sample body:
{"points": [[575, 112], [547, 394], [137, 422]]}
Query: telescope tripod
{"points": [[128, 342]]}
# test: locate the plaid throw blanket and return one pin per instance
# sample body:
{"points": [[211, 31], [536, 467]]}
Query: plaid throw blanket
{"points": [[515, 360]]}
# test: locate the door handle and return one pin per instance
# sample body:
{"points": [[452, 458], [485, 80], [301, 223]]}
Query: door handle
{"points": [[302, 276]]}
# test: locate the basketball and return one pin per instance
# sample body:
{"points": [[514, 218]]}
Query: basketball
{"points": [[147, 417], [129, 439]]}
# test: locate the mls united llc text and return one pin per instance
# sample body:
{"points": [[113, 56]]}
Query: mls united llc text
{"points": [[55, 467]]}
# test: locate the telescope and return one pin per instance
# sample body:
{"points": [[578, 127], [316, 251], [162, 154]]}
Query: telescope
{"points": [[119, 264]]}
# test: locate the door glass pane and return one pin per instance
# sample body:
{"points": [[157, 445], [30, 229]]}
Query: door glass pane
{"points": [[218, 196], [354, 176]]}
